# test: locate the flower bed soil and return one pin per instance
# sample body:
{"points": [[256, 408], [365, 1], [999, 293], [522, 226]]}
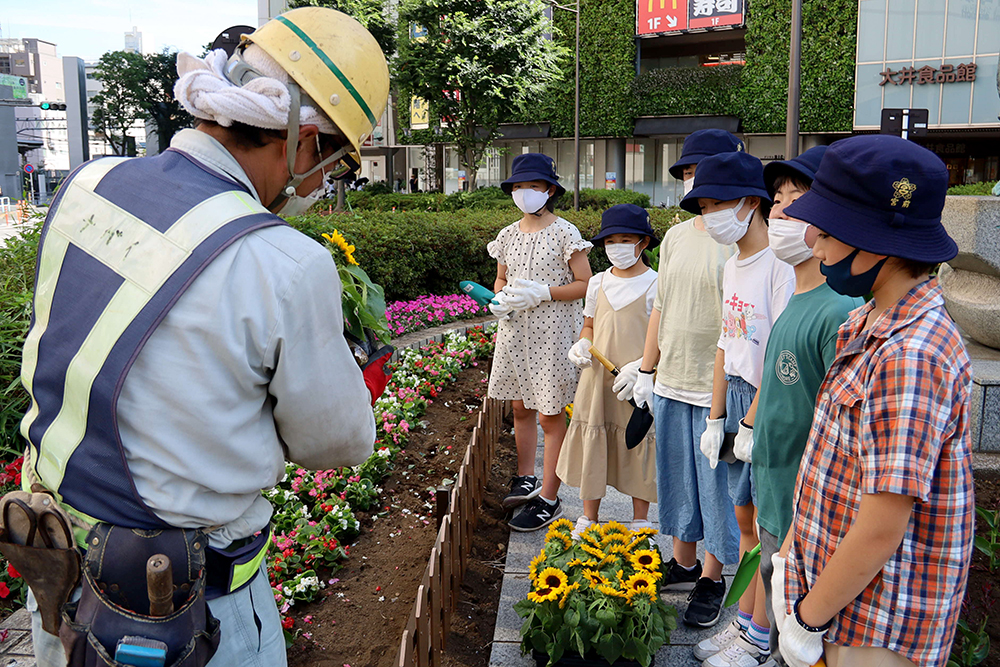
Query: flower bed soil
{"points": [[361, 618], [983, 594]]}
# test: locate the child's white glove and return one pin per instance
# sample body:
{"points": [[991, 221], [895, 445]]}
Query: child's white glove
{"points": [[800, 646], [642, 394], [499, 306], [743, 445], [625, 382], [778, 591], [711, 440], [527, 293], [579, 354]]}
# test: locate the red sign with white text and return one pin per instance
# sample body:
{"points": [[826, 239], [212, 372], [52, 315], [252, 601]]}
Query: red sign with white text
{"points": [[655, 17]]}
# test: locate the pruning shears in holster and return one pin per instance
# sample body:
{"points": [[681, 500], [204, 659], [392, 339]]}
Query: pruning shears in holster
{"points": [[372, 357]]}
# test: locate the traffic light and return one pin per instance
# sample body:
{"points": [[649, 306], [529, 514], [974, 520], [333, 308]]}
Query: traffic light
{"points": [[52, 106]]}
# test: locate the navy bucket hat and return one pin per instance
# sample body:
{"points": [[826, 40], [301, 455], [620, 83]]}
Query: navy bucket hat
{"points": [[882, 194], [802, 168], [727, 177], [533, 167], [702, 144], [626, 219]]}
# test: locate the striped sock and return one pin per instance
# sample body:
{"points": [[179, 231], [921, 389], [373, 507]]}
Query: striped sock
{"points": [[744, 619], [760, 637]]}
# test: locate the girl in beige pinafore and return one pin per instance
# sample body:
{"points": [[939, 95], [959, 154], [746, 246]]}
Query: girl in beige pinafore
{"points": [[617, 309]]}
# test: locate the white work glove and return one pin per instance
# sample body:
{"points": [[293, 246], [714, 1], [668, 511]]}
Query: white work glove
{"points": [[711, 440], [778, 591], [579, 354], [527, 292], [743, 446], [799, 646], [499, 306], [625, 382], [642, 393]]}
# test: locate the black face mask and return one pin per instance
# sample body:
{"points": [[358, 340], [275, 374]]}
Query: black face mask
{"points": [[840, 280]]}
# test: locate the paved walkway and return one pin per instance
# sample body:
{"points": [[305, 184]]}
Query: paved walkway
{"points": [[525, 546]]}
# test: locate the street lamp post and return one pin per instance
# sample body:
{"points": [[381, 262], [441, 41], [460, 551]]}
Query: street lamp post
{"points": [[576, 105], [794, 71]]}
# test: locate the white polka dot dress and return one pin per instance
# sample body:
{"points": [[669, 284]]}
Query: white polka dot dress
{"points": [[529, 362]]}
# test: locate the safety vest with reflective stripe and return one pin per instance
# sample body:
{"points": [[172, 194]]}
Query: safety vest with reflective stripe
{"points": [[122, 242]]}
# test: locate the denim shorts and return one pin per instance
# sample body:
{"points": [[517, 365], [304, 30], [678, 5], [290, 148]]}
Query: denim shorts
{"points": [[693, 499], [739, 396]]}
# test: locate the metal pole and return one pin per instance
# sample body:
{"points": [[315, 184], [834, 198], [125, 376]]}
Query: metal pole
{"points": [[794, 69], [576, 122]]}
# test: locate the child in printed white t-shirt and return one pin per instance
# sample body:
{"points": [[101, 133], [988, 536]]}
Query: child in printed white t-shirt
{"points": [[730, 194]]}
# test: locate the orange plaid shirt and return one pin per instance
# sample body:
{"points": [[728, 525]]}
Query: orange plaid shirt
{"points": [[892, 416]]}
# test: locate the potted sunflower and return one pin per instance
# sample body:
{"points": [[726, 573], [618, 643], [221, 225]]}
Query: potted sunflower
{"points": [[596, 601], [363, 301]]}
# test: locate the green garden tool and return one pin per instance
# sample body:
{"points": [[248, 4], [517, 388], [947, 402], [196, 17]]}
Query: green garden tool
{"points": [[749, 565]]}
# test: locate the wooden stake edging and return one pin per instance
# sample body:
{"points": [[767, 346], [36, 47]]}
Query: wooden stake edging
{"points": [[428, 626]]}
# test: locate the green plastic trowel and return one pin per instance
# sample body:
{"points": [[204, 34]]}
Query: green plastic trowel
{"points": [[749, 565]]}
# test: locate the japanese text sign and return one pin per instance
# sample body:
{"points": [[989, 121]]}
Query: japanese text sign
{"points": [[927, 74], [666, 16]]}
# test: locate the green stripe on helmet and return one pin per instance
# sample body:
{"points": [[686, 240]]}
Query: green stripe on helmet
{"points": [[333, 68]]}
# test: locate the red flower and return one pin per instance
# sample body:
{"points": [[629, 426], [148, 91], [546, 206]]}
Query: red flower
{"points": [[12, 573], [4, 591], [287, 623]]}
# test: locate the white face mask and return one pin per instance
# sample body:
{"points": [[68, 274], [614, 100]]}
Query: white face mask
{"points": [[297, 205], [725, 226], [621, 255], [688, 185], [529, 200], [787, 239]]}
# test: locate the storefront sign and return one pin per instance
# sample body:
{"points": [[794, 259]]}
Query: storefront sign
{"points": [[610, 180], [654, 17], [927, 74], [418, 113]]}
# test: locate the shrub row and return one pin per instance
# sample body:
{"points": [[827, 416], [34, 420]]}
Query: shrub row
{"points": [[483, 199], [984, 188], [412, 253]]}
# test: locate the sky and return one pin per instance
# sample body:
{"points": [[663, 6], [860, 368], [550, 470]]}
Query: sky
{"points": [[89, 28]]}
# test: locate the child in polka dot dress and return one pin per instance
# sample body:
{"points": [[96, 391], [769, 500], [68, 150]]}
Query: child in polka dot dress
{"points": [[542, 276]]}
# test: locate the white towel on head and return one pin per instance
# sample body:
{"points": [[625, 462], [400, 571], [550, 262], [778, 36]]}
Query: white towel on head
{"points": [[203, 89]]}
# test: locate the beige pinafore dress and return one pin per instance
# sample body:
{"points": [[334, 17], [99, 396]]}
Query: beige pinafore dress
{"points": [[593, 453]]}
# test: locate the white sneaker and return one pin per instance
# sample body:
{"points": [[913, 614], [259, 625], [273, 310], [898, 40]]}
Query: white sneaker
{"points": [[582, 524], [639, 524], [708, 647], [741, 653]]}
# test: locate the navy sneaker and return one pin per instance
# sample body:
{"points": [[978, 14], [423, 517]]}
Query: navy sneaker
{"points": [[536, 514], [679, 579], [522, 489], [705, 603]]}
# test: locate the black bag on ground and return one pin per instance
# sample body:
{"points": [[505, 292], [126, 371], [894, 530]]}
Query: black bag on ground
{"points": [[115, 603]]}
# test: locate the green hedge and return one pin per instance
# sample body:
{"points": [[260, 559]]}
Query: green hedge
{"points": [[984, 188], [684, 90], [483, 199], [414, 253], [17, 278]]}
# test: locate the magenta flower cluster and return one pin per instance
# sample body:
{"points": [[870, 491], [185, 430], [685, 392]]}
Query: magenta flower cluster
{"points": [[430, 311]]}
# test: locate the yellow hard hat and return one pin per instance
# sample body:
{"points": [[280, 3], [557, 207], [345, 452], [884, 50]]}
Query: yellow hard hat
{"points": [[335, 61]]}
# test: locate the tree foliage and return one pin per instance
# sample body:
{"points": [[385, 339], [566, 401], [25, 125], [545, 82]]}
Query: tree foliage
{"points": [[369, 13], [481, 62], [158, 99], [119, 105]]}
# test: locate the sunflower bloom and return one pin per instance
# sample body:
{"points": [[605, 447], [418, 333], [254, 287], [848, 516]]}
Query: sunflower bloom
{"points": [[337, 239], [640, 582], [566, 593], [616, 548], [615, 527], [611, 591], [645, 559], [561, 524], [544, 595], [536, 563], [596, 553], [552, 577]]}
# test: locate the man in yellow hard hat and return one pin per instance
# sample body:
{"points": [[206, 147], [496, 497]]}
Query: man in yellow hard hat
{"points": [[186, 342]]}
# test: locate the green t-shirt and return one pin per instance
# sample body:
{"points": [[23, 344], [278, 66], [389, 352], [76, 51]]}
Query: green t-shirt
{"points": [[802, 345]]}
